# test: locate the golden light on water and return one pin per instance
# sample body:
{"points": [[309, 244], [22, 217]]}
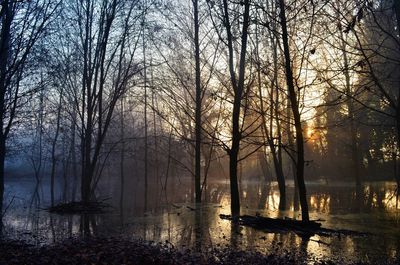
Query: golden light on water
{"points": [[391, 201], [320, 202], [273, 201]]}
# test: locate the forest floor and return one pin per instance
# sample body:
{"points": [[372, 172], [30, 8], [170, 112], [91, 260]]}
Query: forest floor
{"points": [[120, 251]]}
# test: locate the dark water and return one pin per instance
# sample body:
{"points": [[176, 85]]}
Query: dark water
{"points": [[169, 216]]}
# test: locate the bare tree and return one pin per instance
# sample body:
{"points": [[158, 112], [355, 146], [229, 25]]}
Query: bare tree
{"points": [[22, 25], [270, 118], [184, 79], [296, 114], [53, 147], [197, 171], [107, 40], [238, 87]]}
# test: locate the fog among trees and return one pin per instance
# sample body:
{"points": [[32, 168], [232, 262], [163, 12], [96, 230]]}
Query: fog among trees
{"points": [[132, 100]]}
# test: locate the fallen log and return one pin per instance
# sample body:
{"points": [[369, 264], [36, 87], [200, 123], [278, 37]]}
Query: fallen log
{"points": [[278, 225]]}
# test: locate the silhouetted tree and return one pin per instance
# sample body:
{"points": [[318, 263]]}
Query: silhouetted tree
{"points": [[22, 25], [296, 114]]}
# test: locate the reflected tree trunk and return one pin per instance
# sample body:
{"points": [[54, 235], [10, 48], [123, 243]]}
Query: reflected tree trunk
{"points": [[85, 225], [70, 224], [52, 229], [88, 225], [198, 229], [235, 235], [305, 240]]}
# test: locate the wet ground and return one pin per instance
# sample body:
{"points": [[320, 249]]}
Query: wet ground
{"points": [[109, 251], [169, 217]]}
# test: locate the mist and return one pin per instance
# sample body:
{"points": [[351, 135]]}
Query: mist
{"points": [[201, 132]]}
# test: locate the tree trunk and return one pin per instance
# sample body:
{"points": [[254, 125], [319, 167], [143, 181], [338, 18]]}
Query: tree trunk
{"points": [[280, 178], [73, 154], [167, 170], [238, 88], [278, 153], [85, 184], [145, 116], [86, 166], [155, 136], [97, 119], [350, 107], [291, 154], [397, 11], [233, 163], [7, 18], [53, 150], [2, 161], [122, 161], [198, 104], [277, 162], [296, 116], [269, 132], [398, 148]]}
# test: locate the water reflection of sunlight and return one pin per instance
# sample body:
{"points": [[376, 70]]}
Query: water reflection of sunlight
{"points": [[225, 203], [390, 200], [272, 202], [367, 189], [316, 249], [320, 202], [181, 226], [349, 247]]}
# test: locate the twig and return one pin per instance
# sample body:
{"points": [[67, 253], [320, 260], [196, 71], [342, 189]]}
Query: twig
{"points": [[8, 206], [320, 242]]}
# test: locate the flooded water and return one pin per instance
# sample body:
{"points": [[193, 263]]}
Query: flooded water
{"points": [[170, 216]]}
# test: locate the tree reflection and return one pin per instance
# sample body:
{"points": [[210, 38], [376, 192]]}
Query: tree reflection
{"points": [[88, 225]]}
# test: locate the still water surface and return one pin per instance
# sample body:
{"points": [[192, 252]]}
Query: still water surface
{"points": [[169, 216]]}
